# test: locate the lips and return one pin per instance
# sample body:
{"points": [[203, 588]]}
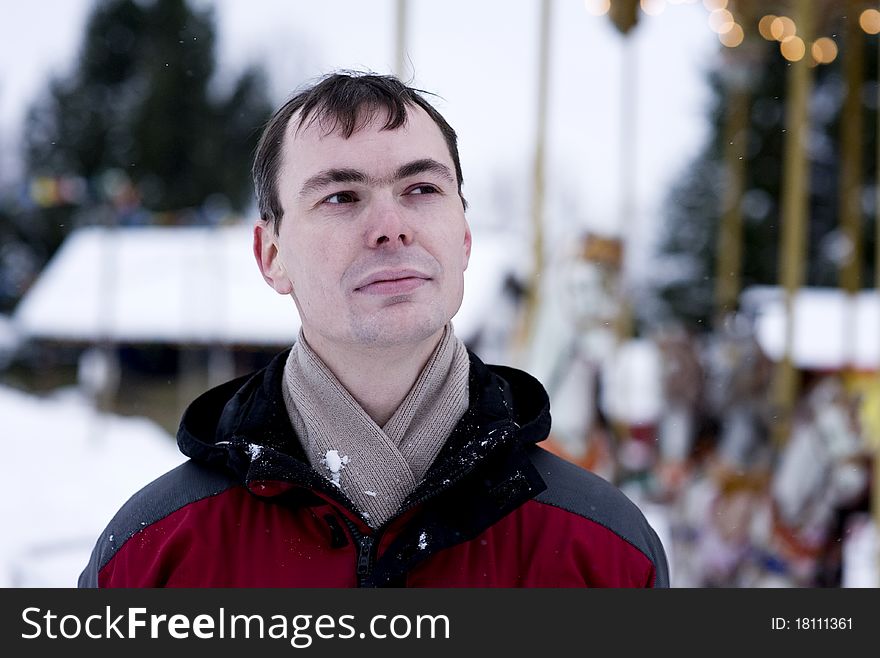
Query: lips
{"points": [[392, 282]]}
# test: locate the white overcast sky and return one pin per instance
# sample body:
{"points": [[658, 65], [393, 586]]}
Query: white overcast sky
{"points": [[481, 58]]}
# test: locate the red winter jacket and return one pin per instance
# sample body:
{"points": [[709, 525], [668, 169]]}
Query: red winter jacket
{"points": [[494, 509]]}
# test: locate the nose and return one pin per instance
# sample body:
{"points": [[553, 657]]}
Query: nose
{"points": [[388, 227]]}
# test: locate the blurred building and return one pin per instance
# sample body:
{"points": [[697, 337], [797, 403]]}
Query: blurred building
{"points": [[832, 330], [152, 315]]}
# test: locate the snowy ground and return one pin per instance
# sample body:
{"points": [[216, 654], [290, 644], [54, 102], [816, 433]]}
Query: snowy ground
{"points": [[69, 470]]}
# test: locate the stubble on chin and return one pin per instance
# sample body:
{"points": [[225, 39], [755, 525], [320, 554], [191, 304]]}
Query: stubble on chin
{"points": [[385, 332]]}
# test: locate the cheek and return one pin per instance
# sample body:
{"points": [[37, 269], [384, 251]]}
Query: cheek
{"points": [[455, 250], [313, 272]]}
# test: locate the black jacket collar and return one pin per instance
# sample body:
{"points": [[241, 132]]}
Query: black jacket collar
{"points": [[251, 409], [481, 473]]}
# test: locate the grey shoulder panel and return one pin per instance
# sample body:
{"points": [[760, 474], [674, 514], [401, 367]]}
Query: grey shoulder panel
{"points": [[179, 487], [581, 492]]}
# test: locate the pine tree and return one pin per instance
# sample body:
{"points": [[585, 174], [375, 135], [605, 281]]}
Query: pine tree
{"points": [[140, 115]]}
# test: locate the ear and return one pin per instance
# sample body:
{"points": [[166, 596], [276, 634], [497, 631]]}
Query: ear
{"points": [[269, 259], [467, 244]]}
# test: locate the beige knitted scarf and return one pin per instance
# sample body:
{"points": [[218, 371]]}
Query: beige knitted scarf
{"points": [[376, 467]]}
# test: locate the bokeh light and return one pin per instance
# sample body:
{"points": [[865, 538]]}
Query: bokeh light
{"points": [[764, 26], [597, 7], [824, 50], [653, 7], [793, 49], [721, 21], [870, 21], [783, 28], [733, 37]]}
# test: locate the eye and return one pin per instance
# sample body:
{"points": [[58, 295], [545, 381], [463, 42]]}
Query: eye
{"points": [[424, 188], [340, 197]]}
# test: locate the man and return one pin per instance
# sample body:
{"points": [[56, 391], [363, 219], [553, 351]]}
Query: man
{"points": [[377, 451]]}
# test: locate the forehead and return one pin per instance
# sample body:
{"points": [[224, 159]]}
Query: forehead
{"points": [[309, 147]]}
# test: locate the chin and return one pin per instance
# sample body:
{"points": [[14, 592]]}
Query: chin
{"points": [[392, 330]]}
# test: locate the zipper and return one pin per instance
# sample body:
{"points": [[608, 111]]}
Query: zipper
{"points": [[368, 543], [365, 553], [365, 558]]}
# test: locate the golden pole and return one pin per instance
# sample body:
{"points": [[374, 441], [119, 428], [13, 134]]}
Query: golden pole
{"points": [[794, 214], [625, 15], [877, 183], [533, 289], [851, 139], [876, 439], [729, 249], [627, 191], [728, 268]]}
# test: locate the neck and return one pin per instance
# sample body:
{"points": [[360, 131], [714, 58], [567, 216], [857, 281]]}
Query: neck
{"points": [[378, 378]]}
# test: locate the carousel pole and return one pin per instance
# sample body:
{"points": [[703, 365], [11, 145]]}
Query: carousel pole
{"points": [[851, 138], [740, 58], [625, 15], [875, 494], [728, 274], [794, 212], [532, 296], [627, 192]]}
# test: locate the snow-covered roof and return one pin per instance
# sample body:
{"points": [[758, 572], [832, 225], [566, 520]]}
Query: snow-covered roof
{"points": [[831, 329], [195, 285]]}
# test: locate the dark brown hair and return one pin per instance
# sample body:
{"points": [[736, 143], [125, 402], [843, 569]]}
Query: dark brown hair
{"points": [[344, 101]]}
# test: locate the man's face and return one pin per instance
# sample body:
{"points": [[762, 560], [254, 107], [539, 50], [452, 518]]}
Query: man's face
{"points": [[373, 243]]}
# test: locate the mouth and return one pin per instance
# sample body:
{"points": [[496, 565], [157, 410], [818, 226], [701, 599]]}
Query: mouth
{"points": [[392, 282]]}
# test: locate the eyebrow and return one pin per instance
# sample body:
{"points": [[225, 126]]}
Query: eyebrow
{"points": [[346, 175]]}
